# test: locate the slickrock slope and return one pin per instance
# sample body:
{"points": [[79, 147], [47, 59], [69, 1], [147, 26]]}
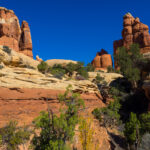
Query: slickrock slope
{"points": [[63, 62], [108, 77], [102, 60], [19, 72], [12, 35], [134, 32], [25, 92]]}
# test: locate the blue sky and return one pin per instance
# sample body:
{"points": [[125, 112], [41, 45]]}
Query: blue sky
{"points": [[75, 29]]}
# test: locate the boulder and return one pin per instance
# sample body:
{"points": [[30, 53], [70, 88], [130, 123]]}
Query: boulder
{"points": [[102, 60]]}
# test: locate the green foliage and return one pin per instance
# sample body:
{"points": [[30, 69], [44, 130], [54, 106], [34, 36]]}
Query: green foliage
{"points": [[97, 113], [132, 128], [89, 67], [128, 61], [83, 73], [108, 116], [7, 49], [43, 67], [116, 92], [110, 69], [78, 67], [99, 79], [57, 130], [145, 123], [58, 71], [11, 136], [1, 66]]}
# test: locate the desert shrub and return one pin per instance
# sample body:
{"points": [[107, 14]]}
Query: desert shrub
{"points": [[57, 130], [110, 69], [99, 79], [7, 49], [1, 66], [78, 67], [89, 67], [131, 131], [108, 116], [100, 71], [86, 133], [79, 77], [136, 128], [116, 92], [82, 71], [97, 113], [58, 71], [12, 136], [128, 60], [43, 67], [71, 67], [145, 123]]}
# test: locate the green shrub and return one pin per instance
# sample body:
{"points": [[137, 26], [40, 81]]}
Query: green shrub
{"points": [[114, 91], [57, 72], [99, 79], [110, 69], [57, 130], [1, 66], [83, 73], [11, 136], [132, 128], [90, 67], [7, 49], [145, 123], [79, 68], [129, 63], [97, 113], [109, 116], [43, 67]]}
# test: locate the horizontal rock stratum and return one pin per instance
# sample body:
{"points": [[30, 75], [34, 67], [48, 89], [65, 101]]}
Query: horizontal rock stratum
{"points": [[12, 35]]}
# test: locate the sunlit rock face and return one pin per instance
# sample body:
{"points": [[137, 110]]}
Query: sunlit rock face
{"points": [[134, 31], [102, 60], [12, 35]]}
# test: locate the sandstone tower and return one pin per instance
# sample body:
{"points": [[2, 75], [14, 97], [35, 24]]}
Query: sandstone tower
{"points": [[12, 35]]}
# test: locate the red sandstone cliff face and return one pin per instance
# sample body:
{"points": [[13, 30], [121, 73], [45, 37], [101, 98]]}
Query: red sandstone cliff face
{"points": [[12, 35], [134, 32], [102, 60]]}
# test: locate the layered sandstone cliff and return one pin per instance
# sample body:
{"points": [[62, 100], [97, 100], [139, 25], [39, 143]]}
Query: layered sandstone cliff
{"points": [[12, 35], [134, 32], [102, 60]]}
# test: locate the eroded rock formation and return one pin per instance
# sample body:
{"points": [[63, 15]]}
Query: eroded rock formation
{"points": [[12, 35], [102, 60], [134, 32]]}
